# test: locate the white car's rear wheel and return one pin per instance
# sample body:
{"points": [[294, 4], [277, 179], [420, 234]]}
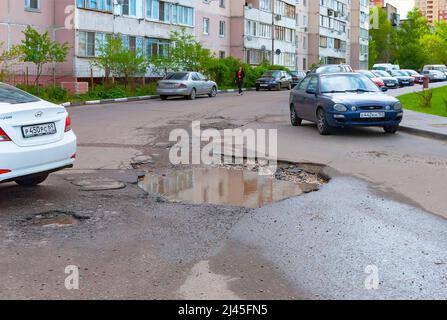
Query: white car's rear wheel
{"points": [[33, 181]]}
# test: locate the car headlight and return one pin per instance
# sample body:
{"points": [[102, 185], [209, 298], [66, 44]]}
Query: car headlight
{"points": [[397, 106], [340, 107]]}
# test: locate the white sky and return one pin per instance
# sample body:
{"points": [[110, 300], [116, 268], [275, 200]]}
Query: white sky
{"points": [[403, 6]]}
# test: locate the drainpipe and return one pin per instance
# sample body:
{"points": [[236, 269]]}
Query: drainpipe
{"points": [[273, 32]]}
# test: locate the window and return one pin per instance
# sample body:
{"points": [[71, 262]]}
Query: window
{"points": [[32, 5], [157, 10], [206, 26], [221, 28], [102, 5], [12, 95], [222, 3], [182, 15], [86, 44], [221, 54], [157, 47]]}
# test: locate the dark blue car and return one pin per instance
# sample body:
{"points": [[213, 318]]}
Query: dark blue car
{"points": [[343, 99]]}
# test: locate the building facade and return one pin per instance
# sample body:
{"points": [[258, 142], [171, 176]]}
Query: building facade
{"points": [[434, 10], [291, 33]]}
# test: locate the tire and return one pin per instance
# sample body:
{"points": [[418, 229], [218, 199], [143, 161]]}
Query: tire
{"points": [[278, 87], [213, 92], [32, 182], [323, 127], [192, 95], [294, 119], [391, 129], [163, 97], [257, 88]]}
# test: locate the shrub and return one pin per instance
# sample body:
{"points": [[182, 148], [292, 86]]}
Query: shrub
{"points": [[425, 98], [50, 93]]}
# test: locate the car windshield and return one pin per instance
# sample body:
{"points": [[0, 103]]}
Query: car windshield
{"points": [[347, 83], [271, 74], [177, 76], [330, 69], [440, 68], [398, 73], [381, 73], [12, 95]]}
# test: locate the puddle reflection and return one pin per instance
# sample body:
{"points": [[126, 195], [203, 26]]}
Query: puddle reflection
{"points": [[220, 186]]}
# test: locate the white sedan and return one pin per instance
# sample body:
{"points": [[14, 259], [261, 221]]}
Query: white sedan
{"points": [[35, 138]]}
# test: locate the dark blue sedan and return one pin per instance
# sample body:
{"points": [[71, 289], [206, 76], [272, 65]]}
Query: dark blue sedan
{"points": [[343, 99]]}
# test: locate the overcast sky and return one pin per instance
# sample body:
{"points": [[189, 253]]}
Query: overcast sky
{"points": [[403, 6]]}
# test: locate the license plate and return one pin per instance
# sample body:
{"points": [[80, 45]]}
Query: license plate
{"points": [[263, 85], [372, 115], [39, 130]]}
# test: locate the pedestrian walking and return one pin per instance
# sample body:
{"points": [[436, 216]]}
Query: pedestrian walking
{"points": [[240, 75]]}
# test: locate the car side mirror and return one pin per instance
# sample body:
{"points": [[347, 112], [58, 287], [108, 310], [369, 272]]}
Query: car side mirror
{"points": [[384, 89]]}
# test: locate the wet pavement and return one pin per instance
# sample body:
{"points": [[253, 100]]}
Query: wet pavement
{"points": [[382, 210]]}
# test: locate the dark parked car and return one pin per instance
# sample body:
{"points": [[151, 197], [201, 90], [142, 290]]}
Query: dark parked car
{"points": [[274, 79], [297, 76], [343, 99], [418, 78], [403, 78], [388, 80], [332, 68]]}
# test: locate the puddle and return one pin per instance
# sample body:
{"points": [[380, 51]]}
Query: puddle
{"points": [[221, 186], [56, 219]]}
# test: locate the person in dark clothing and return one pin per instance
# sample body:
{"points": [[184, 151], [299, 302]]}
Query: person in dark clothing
{"points": [[240, 75]]}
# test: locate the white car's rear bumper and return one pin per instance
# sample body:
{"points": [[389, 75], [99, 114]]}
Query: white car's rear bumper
{"points": [[23, 161]]}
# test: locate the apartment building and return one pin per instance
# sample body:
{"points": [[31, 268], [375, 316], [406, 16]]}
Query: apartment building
{"points": [[292, 33], [329, 31], [434, 10], [359, 36]]}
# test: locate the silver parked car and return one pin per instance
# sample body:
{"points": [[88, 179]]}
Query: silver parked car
{"points": [[186, 84], [434, 75]]}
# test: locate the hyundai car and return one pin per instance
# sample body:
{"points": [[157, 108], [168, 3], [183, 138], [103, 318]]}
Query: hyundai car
{"points": [[36, 138], [342, 100], [186, 84]]}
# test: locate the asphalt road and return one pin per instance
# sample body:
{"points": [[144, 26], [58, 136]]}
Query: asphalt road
{"points": [[384, 209]]}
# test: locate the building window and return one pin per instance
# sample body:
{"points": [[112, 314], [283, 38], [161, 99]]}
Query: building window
{"points": [[32, 5], [222, 3], [157, 10], [221, 28], [206, 26], [87, 44], [102, 5], [157, 47], [221, 54], [182, 15]]}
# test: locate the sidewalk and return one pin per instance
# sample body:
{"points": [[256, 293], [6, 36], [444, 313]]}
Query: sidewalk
{"points": [[424, 125]]}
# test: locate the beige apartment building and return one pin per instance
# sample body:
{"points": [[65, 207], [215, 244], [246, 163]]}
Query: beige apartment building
{"points": [[434, 10]]}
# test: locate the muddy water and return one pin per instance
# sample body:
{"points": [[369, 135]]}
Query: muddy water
{"points": [[220, 186]]}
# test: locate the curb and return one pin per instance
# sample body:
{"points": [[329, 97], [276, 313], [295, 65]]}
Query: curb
{"points": [[132, 99], [423, 133]]}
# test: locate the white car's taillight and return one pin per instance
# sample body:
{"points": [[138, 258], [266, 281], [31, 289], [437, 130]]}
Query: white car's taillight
{"points": [[4, 136], [67, 124]]}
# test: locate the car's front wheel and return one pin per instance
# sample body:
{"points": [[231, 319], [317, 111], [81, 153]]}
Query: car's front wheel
{"points": [[163, 97], [294, 119], [213, 92], [391, 129], [323, 127], [32, 182]]}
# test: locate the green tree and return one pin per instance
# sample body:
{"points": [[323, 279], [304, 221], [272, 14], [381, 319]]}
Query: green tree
{"points": [[108, 58], [383, 36], [434, 48], [185, 53], [39, 49], [7, 59], [410, 33], [130, 64]]}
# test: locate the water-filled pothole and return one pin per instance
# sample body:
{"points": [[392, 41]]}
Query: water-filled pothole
{"points": [[224, 186], [57, 218]]}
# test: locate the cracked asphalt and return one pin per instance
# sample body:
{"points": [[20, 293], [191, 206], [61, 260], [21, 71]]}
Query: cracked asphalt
{"points": [[385, 206]]}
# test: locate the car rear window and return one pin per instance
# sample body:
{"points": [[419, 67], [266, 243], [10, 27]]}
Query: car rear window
{"points": [[12, 95], [177, 76]]}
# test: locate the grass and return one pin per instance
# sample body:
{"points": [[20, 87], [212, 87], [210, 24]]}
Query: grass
{"points": [[412, 101]]}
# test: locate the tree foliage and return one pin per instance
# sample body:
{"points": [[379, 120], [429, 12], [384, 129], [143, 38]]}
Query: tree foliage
{"points": [[39, 49]]}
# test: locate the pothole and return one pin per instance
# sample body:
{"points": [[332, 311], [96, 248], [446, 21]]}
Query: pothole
{"points": [[231, 185], [98, 184], [57, 218]]}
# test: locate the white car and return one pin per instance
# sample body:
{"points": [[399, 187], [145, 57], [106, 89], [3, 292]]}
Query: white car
{"points": [[35, 137]]}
